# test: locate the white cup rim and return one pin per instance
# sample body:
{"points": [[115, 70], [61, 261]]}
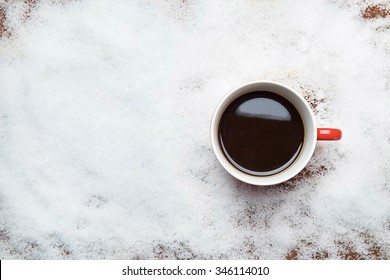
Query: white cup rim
{"points": [[310, 132]]}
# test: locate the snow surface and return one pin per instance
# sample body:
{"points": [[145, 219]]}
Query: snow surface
{"points": [[104, 130]]}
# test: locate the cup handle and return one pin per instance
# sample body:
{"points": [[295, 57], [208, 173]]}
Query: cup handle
{"points": [[328, 134]]}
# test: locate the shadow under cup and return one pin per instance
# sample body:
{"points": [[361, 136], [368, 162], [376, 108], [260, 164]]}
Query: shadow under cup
{"points": [[263, 133]]}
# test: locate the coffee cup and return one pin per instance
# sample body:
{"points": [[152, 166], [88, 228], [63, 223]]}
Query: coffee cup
{"points": [[264, 132]]}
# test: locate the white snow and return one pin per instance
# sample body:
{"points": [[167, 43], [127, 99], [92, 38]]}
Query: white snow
{"points": [[104, 129]]}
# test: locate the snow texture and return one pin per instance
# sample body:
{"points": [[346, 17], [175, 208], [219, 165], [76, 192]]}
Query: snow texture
{"points": [[104, 129]]}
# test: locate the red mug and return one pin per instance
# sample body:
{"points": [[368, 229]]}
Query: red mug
{"points": [[311, 132]]}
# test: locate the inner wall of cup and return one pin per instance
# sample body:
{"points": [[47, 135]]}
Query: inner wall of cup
{"points": [[309, 130]]}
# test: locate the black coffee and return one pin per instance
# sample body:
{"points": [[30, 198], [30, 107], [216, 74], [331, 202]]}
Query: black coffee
{"points": [[261, 133]]}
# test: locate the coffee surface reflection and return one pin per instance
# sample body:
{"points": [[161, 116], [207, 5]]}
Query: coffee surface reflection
{"points": [[261, 133]]}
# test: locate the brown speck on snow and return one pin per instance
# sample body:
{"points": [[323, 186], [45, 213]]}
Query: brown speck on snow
{"points": [[375, 11]]}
